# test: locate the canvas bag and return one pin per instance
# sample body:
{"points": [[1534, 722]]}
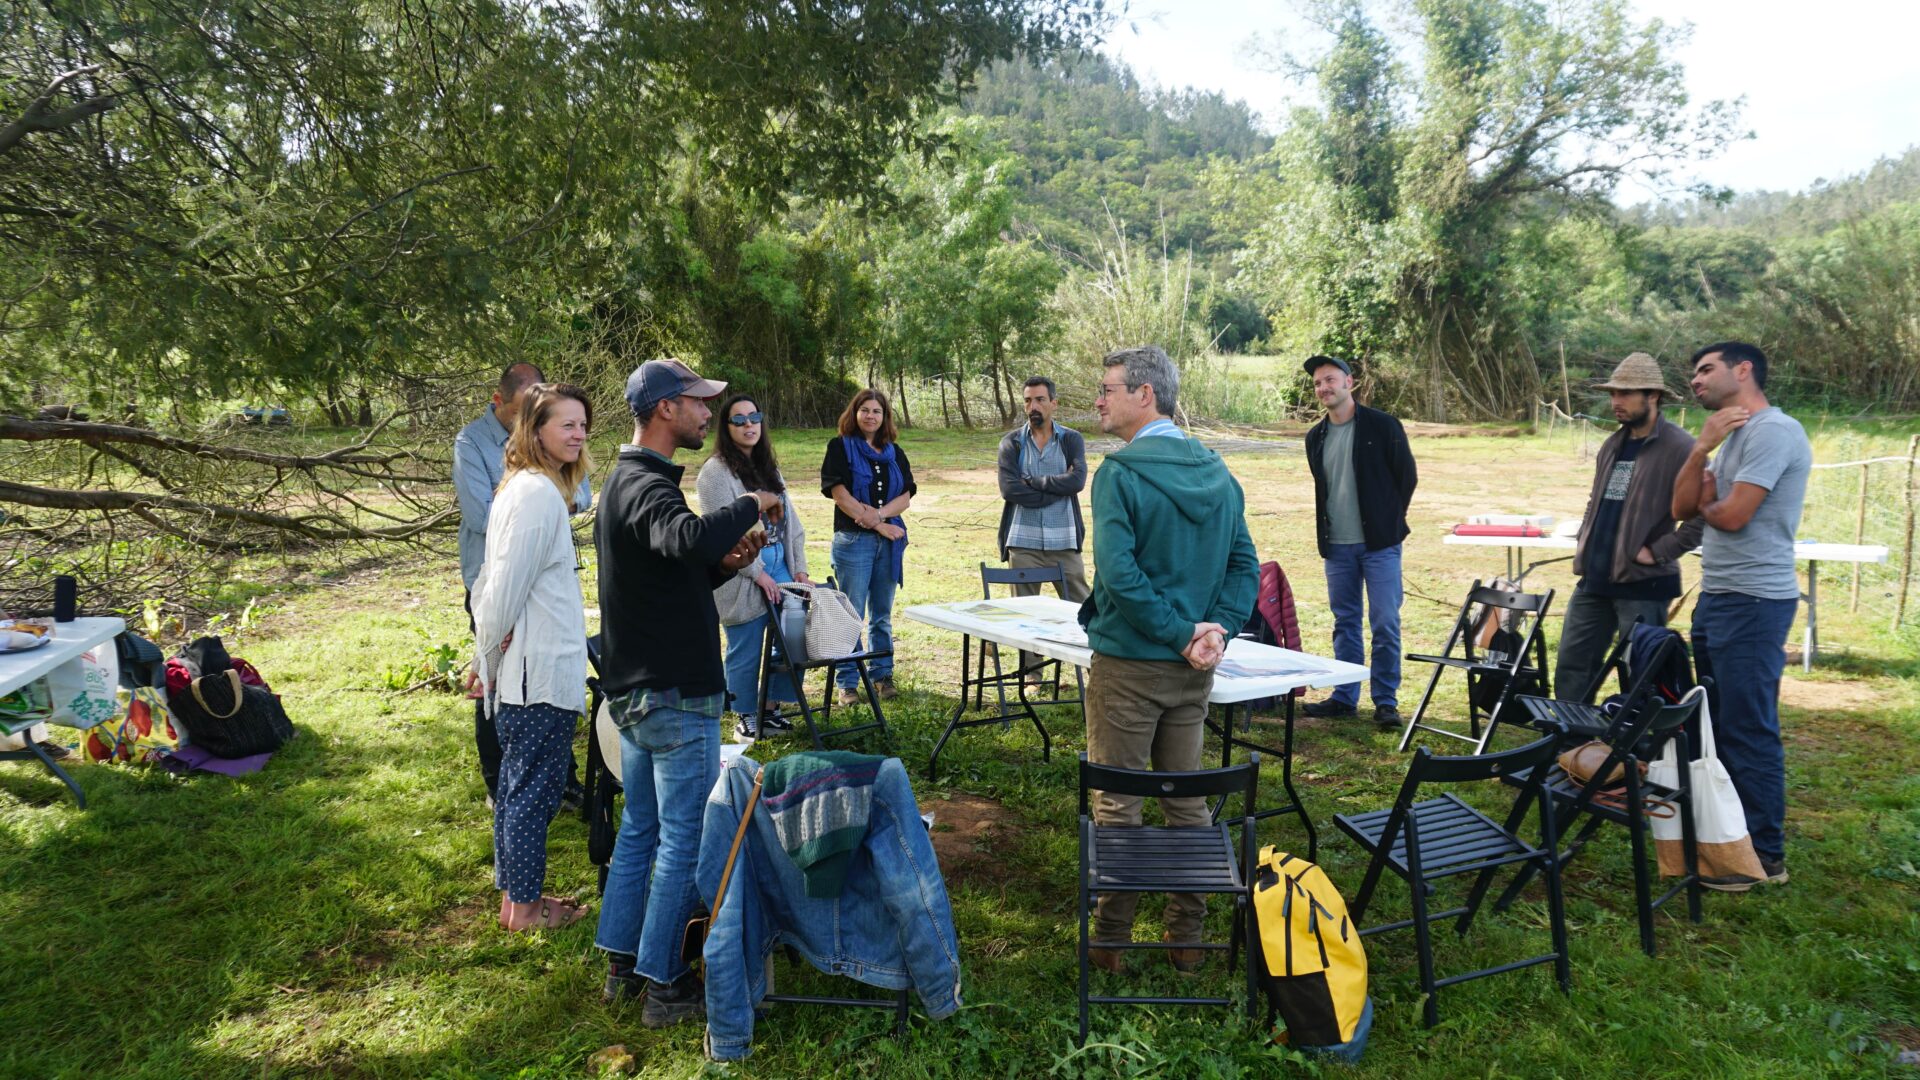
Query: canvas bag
{"points": [[1719, 820], [833, 624]]}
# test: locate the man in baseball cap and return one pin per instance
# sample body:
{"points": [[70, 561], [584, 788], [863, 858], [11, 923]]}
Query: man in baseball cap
{"points": [[1628, 558], [661, 670], [662, 380]]}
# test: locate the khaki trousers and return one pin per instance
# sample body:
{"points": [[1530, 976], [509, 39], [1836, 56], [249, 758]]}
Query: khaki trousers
{"points": [[1073, 579], [1140, 714]]}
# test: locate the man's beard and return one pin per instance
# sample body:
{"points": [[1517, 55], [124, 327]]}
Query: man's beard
{"points": [[1632, 422], [1035, 418]]}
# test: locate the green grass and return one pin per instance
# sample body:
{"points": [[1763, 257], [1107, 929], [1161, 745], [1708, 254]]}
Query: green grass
{"points": [[333, 915]]}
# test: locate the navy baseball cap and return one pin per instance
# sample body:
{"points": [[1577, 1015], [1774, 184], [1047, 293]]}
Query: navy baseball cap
{"points": [[657, 380], [1315, 363]]}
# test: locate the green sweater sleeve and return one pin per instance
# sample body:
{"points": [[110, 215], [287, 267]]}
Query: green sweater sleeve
{"points": [[1134, 597]]}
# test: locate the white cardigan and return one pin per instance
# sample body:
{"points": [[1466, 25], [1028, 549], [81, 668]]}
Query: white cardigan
{"points": [[530, 585]]}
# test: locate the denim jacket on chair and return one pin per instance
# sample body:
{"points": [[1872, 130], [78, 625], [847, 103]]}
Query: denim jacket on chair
{"points": [[891, 927]]}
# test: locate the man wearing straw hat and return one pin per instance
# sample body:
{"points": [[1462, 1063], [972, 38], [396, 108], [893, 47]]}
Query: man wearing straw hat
{"points": [[1628, 558]]}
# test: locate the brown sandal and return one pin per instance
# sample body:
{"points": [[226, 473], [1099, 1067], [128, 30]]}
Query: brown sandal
{"points": [[555, 912]]}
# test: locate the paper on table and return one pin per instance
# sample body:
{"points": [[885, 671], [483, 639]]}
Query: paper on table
{"points": [[990, 612], [1267, 667], [1065, 634]]}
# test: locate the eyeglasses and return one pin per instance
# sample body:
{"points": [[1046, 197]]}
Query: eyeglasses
{"points": [[1106, 390], [743, 419]]}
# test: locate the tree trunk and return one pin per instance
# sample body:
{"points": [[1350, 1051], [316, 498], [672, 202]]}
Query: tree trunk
{"points": [[365, 419], [960, 393], [900, 399], [993, 376], [946, 418]]}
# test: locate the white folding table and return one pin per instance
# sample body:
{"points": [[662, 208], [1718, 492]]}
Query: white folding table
{"points": [[1811, 552], [1049, 627], [17, 669]]}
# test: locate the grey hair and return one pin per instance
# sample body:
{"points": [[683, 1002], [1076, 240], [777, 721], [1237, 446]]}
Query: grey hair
{"points": [[1148, 365]]}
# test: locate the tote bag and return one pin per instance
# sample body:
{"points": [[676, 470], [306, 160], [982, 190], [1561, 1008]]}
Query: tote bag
{"points": [[1719, 821], [833, 625]]}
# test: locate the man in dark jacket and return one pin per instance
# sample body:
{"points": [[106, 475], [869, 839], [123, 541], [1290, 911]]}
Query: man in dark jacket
{"points": [[661, 670], [1628, 561], [1363, 480], [1043, 466]]}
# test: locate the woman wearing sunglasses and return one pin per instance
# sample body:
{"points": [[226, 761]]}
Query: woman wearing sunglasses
{"points": [[743, 462]]}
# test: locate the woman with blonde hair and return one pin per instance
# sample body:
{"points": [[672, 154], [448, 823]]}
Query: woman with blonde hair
{"points": [[530, 638]]}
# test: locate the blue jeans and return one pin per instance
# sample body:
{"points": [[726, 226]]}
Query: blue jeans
{"points": [[863, 568], [1351, 568], [669, 760], [1739, 641], [745, 643]]}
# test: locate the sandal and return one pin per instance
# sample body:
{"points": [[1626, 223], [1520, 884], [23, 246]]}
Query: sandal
{"points": [[554, 913]]}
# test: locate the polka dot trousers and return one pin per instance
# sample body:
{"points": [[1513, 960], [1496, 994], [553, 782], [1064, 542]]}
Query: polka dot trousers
{"points": [[536, 743]]}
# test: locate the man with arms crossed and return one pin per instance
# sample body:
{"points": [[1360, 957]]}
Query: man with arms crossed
{"points": [[1173, 569], [1043, 466], [1628, 558], [1363, 480], [1750, 497]]}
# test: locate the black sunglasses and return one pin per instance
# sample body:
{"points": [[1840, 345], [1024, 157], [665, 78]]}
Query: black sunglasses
{"points": [[743, 419]]}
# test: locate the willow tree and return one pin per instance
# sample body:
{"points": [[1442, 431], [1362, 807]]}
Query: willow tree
{"points": [[1390, 213]]}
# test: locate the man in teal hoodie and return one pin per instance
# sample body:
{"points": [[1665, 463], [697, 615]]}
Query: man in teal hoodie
{"points": [[1174, 568]]}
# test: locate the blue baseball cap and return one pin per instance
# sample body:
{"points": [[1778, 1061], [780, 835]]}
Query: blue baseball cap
{"points": [[657, 380]]}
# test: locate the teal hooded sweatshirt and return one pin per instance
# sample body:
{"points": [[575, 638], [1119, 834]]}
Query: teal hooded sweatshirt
{"points": [[1170, 549]]}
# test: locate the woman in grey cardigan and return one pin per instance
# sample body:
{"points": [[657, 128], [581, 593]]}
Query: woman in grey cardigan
{"points": [[743, 461]]}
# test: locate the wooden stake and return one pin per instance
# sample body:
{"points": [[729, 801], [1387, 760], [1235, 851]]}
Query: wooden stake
{"points": [[1906, 555], [1859, 536]]}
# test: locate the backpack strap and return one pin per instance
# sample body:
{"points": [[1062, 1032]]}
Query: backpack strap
{"points": [[233, 679]]}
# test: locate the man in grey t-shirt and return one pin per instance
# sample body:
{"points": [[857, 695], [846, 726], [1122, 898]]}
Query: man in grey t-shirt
{"points": [[1751, 497]]}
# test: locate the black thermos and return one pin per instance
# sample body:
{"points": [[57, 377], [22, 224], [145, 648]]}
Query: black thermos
{"points": [[64, 597]]}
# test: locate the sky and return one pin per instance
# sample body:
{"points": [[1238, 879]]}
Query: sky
{"points": [[1830, 88]]}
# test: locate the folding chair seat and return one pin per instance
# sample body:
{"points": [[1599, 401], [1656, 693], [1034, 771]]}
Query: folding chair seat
{"points": [[1644, 724], [1493, 676], [1152, 859], [1424, 841], [776, 658]]}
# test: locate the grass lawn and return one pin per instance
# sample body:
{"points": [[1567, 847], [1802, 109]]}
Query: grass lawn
{"points": [[333, 915]]}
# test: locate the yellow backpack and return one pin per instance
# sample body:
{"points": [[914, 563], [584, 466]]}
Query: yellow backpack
{"points": [[1312, 966]]}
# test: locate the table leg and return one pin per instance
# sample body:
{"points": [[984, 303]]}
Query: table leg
{"points": [[1285, 754], [1810, 640], [1286, 782]]}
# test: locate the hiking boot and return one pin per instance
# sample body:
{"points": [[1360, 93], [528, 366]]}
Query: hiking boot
{"points": [[1328, 709], [1776, 871], [1184, 961], [1387, 718], [673, 1003], [848, 696], [885, 688], [1111, 961], [622, 985]]}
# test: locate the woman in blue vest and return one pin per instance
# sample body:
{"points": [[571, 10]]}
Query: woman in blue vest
{"points": [[867, 476]]}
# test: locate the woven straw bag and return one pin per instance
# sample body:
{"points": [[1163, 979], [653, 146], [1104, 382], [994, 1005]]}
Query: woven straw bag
{"points": [[833, 624]]}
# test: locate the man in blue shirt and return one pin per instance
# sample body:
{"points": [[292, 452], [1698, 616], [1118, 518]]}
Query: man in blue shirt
{"points": [[479, 460]]}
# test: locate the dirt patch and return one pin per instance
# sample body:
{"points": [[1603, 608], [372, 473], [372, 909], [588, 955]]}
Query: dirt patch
{"points": [[1829, 696], [967, 831]]}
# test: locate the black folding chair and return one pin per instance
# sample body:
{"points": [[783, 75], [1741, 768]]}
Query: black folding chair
{"points": [[1149, 858], [776, 658], [1494, 675], [1617, 792], [598, 784], [1423, 842], [1049, 671]]}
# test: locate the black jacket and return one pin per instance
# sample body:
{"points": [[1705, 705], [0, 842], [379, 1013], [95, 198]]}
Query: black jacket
{"points": [[1383, 476], [659, 565], [1044, 489]]}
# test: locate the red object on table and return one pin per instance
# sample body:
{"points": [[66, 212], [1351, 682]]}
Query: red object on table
{"points": [[1498, 530]]}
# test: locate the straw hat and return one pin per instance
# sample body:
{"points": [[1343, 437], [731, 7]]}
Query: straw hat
{"points": [[1638, 372]]}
